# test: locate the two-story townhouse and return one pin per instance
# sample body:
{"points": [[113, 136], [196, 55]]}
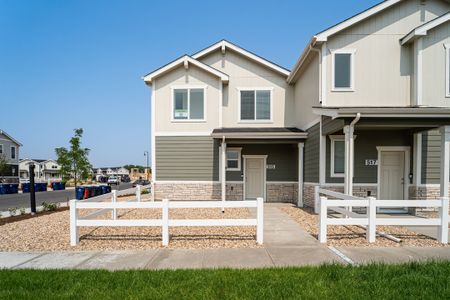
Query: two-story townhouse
{"points": [[9, 149], [373, 94], [45, 170], [222, 127]]}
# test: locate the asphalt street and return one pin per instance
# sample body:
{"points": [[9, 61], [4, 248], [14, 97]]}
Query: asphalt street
{"points": [[23, 200]]}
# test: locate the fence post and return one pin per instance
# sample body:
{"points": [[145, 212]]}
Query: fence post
{"points": [[165, 222], [73, 223], [138, 193], [443, 229], [316, 199], [114, 200], [260, 221], [371, 216], [323, 219]]}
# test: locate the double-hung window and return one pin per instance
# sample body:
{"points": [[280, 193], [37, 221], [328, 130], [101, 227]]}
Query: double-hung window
{"points": [[233, 159], [189, 104], [255, 105], [337, 156], [13, 152], [343, 70], [447, 70], [1, 149]]}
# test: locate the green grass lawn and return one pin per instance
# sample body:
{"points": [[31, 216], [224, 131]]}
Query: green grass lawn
{"points": [[412, 281]]}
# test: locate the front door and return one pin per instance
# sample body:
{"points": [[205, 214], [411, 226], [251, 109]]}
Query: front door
{"points": [[392, 173], [254, 178]]}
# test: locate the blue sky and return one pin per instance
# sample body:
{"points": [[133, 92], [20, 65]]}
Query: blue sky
{"points": [[70, 64]]}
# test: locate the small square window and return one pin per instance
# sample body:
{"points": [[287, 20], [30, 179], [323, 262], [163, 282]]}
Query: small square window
{"points": [[234, 159], [255, 105]]}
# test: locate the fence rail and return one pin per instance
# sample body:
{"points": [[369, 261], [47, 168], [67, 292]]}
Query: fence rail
{"points": [[343, 204], [165, 222]]}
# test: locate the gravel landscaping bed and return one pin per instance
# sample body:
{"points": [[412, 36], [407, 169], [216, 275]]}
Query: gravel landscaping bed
{"points": [[356, 236], [50, 232]]}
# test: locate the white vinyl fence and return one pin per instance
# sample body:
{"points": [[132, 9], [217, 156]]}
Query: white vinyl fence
{"points": [[165, 222], [344, 203]]}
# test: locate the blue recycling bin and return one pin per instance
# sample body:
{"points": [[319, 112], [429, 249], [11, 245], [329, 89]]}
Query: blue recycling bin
{"points": [[25, 187], [7, 189], [2, 189], [79, 192], [57, 186], [13, 188], [104, 189], [43, 187]]}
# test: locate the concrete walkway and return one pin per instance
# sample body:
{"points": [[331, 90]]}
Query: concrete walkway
{"points": [[285, 244]]}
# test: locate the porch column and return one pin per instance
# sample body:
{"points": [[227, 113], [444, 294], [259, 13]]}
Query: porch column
{"points": [[223, 170], [301, 146], [445, 159], [349, 157]]}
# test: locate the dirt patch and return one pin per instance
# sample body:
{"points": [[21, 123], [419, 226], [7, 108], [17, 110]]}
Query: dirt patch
{"points": [[50, 232], [356, 236]]}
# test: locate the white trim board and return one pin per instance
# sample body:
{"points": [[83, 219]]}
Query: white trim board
{"points": [[422, 30], [182, 133]]}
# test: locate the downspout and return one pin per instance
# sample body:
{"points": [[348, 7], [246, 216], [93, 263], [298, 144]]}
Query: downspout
{"points": [[350, 158]]}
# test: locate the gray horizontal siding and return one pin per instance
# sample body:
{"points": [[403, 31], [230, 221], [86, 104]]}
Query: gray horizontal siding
{"points": [[431, 157], [283, 156], [366, 143], [193, 158], [312, 154]]}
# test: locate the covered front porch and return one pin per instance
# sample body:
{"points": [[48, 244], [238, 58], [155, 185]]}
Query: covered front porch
{"points": [[261, 162], [386, 153]]}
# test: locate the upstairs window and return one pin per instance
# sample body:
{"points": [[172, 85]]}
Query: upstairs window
{"points": [[13, 152], [255, 105], [447, 70], [343, 70], [1, 149], [188, 104]]}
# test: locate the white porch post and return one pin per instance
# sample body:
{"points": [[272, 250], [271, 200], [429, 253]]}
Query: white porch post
{"points": [[223, 170], [301, 147], [349, 157], [445, 160]]}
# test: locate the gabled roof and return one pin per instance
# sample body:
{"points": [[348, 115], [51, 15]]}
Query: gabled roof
{"points": [[10, 137], [323, 35], [224, 44], [422, 30], [186, 60]]}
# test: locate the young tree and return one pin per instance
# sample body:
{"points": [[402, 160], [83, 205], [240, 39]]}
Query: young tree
{"points": [[74, 161]]}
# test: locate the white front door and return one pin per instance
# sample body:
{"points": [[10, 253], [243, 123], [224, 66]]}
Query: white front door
{"points": [[392, 176], [254, 178]]}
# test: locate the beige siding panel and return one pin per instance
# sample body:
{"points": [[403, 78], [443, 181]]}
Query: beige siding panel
{"points": [[245, 73], [306, 93], [193, 158], [383, 68], [434, 60], [181, 77]]}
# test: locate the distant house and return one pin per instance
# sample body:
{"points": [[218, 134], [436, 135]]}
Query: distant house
{"points": [[45, 169], [109, 171], [9, 148]]}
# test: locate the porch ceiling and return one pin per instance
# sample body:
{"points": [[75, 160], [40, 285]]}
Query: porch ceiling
{"points": [[261, 134]]}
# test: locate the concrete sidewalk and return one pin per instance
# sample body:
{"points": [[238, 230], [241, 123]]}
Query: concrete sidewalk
{"points": [[285, 244]]}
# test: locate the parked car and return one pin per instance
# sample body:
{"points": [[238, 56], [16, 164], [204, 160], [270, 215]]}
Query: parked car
{"points": [[141, 182], [113, 180], [126, 178]]}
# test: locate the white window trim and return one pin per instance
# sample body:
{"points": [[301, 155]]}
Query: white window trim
{"points": [[333, 139], [352, 70], [239, 150], [447, 70], [239, 89], [15, 152], [188, 87]]}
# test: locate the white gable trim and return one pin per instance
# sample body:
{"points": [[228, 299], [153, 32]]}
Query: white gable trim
{"points": [[422, 30], [223, 45], [11, 138], [185, 60], [323, 36]]}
